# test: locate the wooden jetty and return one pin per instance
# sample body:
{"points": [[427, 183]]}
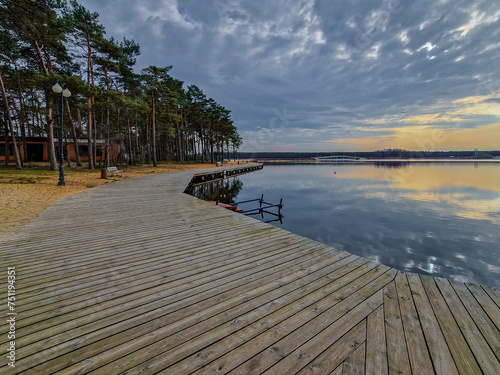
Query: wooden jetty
{"points": [[208, 176], [136, 277]]}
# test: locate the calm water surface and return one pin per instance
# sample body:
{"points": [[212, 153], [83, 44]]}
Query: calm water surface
{"points": [[440, 219]]}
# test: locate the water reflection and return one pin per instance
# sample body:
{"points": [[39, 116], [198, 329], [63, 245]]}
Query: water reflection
{"points": [[224, 190], [474, 191], [391, 164], [437, 219]]}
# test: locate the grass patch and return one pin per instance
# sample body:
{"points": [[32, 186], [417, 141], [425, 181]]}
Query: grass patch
{"points": [[26, 180], [28, 172]]}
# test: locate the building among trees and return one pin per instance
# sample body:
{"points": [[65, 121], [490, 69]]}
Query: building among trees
{"points": [[37, 149]]}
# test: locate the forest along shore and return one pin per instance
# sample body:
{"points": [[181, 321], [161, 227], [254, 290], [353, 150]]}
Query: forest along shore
{"points": [[25, 193]]}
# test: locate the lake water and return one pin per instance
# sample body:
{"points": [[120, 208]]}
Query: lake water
{"points": [[439, 219]]}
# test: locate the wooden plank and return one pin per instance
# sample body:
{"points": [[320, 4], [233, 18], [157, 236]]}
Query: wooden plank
{"points": [[53, 243], [95, 321], [129, 283], [93, 265], [62, 281], [486, 301], [494, 293], [355, 364], [376, 347], [462, 355], [276, 324], [132, 245], [171, 265], [397, 352], [336, 354], [203, 310], [200, 240], [420, 359], [490, 332], [484, 355], [438, 348], [172, 270], [169, 334], [301, 356], [151, 298], [288, 346]]}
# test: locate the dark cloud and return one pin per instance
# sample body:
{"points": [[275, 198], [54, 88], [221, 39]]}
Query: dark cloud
{"points": [[330, 66]]}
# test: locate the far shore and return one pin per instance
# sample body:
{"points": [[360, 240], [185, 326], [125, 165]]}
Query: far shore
{"points": [[375, 160]]}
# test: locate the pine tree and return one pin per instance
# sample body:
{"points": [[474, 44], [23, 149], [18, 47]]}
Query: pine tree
{"points": [[87, 33]]}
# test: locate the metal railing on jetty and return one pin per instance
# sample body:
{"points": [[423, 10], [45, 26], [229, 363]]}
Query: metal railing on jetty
{"points": [[263, 209]]}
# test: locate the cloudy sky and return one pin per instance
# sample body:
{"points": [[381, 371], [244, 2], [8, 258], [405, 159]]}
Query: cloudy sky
{"points": [[331, 75]]}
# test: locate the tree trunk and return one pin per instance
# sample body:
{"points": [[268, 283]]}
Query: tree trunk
{"points": [[95, 137], [95, 133], [21, 125], [11, 126], [40, 57], [48, 61], [178, 143], [89, 134], [179, 139], [7, 153], [67, 154], [153, 114], [129, 131], [194, 145], [38, 112], [106, 143], [47, 68], [50, 141], [89, 105], [79, 115], [73, 131], [211, 140], [21, 113], [202, 146]]}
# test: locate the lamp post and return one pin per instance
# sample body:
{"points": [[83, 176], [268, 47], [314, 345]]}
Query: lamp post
{"points": [[64, 94]]}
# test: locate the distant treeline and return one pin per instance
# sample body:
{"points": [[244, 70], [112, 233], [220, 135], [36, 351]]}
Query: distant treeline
{"points": [[389, 153]]}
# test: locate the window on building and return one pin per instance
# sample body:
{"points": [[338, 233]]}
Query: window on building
{"points": [[84, 150]]}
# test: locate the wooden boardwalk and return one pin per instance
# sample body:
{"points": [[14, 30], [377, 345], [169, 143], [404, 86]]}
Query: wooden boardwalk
{"points": [[136, 277]]}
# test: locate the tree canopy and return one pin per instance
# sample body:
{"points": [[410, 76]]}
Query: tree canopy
{"points": [[150, 113]]}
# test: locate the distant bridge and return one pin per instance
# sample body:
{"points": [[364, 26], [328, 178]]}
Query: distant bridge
{"points": [[338, 159]]}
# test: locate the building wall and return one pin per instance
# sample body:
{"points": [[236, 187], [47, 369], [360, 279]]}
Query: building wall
{"points": [[38, 150]]}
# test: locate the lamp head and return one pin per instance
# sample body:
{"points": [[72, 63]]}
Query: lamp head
{"points": [[66, 93], [57, 88]]}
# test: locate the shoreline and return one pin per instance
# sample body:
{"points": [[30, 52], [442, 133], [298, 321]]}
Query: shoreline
{"points": [[372, 161]]}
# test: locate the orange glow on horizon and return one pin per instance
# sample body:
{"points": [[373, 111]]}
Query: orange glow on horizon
{"points": [[428, 138]]}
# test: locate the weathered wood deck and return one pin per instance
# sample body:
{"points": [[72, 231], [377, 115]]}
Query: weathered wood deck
{"points": [[137, 277]]}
